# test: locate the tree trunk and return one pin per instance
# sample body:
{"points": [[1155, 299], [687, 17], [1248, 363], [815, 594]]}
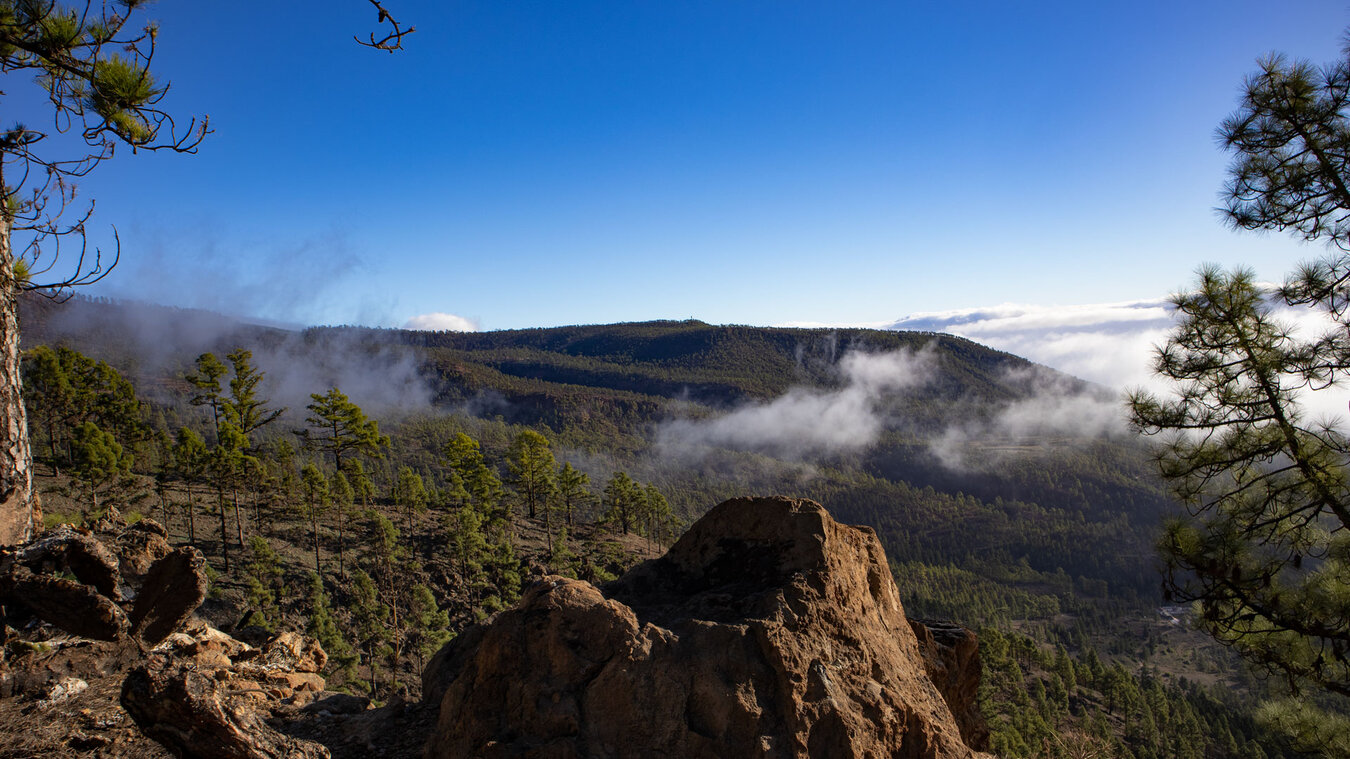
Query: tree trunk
{"points": [[259, 523], [224, 530], [342, 541], [191, 519], [51, 440], [18, 505], [314, 524], [548, 531], [238, 518], [162, 494], [395, 632], [370, 659]]}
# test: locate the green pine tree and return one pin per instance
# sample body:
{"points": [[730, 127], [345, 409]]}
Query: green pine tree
{"points": [[317, 497], [263, 573], [371, 618], [429, 625], [99, 460], [573, 491], [339, 428], [323, 627]]}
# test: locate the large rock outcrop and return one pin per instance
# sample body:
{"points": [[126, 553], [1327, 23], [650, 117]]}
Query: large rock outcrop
{"points": [[172, 588], [768, 630]]}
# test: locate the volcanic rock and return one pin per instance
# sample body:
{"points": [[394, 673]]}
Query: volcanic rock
{"points": [[77, 608], [951, 657], [295, 652], [338, 703], [201, 693], [768, 630], [78, 552], [194, 715], [206, 646], [139, 546], [283, 672], [170, 588], [173, 588]]}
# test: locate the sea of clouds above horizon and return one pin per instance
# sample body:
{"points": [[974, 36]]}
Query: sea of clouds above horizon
{"points": [[1112, 344]]}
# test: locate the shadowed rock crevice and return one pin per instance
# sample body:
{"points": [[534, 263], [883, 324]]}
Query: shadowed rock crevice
{"points": [[951, 656]]}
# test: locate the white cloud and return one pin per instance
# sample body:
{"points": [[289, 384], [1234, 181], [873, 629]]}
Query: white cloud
{"points": [[1108, 343], [1052, 406], [1018, 317], [804, 421], [1112, 344], [439, 322]]}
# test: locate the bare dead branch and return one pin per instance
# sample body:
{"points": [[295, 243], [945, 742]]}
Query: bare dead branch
{"points": [[391, 41]]}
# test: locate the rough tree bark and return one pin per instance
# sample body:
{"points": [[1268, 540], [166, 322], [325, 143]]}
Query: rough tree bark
{"points": [[18, 510]]}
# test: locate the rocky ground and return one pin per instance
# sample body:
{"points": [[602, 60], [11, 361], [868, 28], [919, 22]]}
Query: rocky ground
{"points": [[61, 699]]}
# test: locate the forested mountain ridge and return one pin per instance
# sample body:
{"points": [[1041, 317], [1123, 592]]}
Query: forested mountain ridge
{"points": [[717, 364], [685, 360]]}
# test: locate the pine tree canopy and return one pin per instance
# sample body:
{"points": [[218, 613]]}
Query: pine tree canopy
{"points": [[1265, 551]]}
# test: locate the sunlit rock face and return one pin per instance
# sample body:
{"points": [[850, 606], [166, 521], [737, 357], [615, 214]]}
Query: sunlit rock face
{"points": [[769, 629]]}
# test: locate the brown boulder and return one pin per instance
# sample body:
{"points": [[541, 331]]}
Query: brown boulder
{"points": [[296, 652], [769, 630], [206, 647], [72, 606], [204, 694], [67, 548], [173, 588], [139, 546], [193, 715]]}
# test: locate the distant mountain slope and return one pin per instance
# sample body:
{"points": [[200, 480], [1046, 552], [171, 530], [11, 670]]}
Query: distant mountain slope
{"points": [[625, 371], [1004, 493], [715, 363]]}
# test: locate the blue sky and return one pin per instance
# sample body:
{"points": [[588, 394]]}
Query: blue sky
{"points": [[543, 163]]}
